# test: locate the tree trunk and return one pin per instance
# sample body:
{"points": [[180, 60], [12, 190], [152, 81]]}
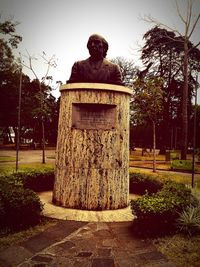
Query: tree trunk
{"points": [[185, 104], [43, 143], [42, 123], [154, 147]]}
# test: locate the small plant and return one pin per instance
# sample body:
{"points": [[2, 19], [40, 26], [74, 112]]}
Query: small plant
{"points": [[189, 220]]}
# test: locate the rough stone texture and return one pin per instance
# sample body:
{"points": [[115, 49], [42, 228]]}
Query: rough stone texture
{"points": [[87, 245], [92, 164], [14, 255], [102, 262]]}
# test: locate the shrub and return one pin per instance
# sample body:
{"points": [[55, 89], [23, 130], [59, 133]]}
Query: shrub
{"points": [[143, 183], [179, 191], [36, 180], [185, 165], [172, 155], [40, 181], [157, 213], [20, 207]]}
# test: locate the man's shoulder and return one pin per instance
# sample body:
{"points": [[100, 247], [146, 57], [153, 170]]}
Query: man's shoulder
{"points": [[109, 63], [82, 62]]}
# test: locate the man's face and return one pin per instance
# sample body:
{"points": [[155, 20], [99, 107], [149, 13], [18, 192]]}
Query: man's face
{"points": [[96, 48]]}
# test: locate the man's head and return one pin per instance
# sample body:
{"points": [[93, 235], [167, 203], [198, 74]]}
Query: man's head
{"points": [[97, 46]]}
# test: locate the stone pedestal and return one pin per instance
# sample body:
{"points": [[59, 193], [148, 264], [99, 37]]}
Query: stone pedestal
{"points": [[92, 156]]}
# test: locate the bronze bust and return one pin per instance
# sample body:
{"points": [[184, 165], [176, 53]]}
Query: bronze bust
{"points": [[96, 68]]}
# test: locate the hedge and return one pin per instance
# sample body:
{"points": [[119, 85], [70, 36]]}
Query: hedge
{"points": [[35, 180], [142, 183], [20, 207], [156, 214]]}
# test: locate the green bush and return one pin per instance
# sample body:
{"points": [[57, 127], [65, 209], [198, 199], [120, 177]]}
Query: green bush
{"points": [[36, 180], [142, 183], [172, 154], [183, 195], [156, 214], [40, 181], [19, 207], [185, 165]]}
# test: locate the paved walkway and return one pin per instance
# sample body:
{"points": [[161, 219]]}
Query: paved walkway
{"points": [[82, 244]]}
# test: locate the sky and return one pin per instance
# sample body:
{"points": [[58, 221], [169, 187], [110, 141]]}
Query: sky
{"points": [[62, 28]]}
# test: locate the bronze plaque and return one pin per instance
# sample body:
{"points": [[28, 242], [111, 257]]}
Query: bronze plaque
{"points": [[93, 116]]}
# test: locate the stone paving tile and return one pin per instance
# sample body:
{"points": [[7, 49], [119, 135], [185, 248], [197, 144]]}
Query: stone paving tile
{"points": [[104, 252], [14, 255], [102, 262], [42, 258], [94, 245], [51, 235]]}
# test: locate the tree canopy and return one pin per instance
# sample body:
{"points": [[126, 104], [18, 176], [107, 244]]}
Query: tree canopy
{"points": [[164, 50], [31, 111]]}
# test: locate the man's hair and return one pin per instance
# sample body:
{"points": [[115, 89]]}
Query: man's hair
{"points": [[97, 36]]}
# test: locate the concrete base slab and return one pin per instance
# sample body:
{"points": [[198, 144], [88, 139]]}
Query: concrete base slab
{"points": [[53, 211]]}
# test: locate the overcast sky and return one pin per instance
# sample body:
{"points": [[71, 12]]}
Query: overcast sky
{"points": [[62, 27]]}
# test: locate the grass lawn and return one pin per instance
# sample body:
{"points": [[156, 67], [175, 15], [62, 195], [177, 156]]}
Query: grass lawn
{"points": [[185, 178], [137, 160], [10, 168], [7, 159], [181, 250]]}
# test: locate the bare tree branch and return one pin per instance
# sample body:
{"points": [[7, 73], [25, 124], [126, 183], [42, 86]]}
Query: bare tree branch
{"points": [[194, 47], [152, 20], [189, 13], [179, 13], [50, 63], [194, 26]]}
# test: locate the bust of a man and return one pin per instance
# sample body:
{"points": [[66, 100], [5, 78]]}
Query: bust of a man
{"points": [[96, 68]]}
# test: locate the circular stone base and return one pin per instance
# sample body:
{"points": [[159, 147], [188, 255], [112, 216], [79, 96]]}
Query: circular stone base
{"points": [[53, 211]]}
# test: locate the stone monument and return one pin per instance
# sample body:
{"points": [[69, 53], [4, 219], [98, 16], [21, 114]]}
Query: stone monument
{"points": [[92, 155]]}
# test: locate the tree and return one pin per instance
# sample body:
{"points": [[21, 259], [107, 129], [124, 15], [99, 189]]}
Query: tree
{"points": [[9, 74], [147, 104], [41, 112], [8, 28], [190, 24], [165, 57], [127, 69], [30, 94]]}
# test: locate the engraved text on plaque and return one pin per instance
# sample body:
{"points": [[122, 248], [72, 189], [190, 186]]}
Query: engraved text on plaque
{"points": [[93, 116]]}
